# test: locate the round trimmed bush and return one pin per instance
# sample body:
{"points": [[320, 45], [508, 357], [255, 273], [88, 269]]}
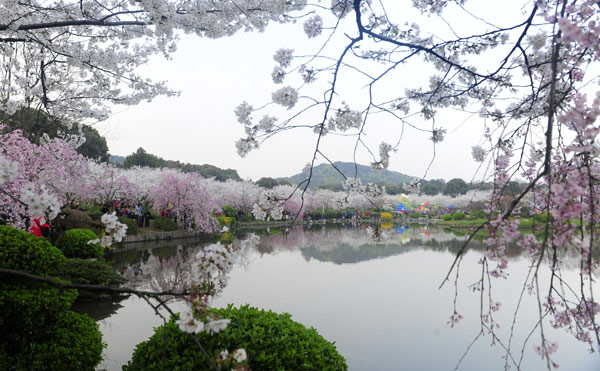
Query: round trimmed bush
{"points": [[447, 217], [38, 330], [387, 216], [24, 251], [74, 244], [458, 216], [272, 341]]}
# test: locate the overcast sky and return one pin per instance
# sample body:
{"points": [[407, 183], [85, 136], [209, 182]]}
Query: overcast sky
{"points": [[214, 76]]}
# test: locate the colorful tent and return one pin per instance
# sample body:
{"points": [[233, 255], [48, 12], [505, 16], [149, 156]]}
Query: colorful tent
{"points": [[400, 208]]}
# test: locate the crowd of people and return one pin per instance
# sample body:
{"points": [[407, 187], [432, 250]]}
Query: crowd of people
{"points": [[136, 211]]}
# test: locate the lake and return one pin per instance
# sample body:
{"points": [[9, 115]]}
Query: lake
{"points": [[378, 300]]}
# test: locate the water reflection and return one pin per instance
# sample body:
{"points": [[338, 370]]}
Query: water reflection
{"points": [[342, 244], [100, 309], [379, 301]]}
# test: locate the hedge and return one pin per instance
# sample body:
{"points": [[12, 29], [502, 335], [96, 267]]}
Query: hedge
{"points": [[39, 332], [164, 224], [272, 341]]}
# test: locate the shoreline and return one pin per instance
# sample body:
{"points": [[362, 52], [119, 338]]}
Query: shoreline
{"points": [[185, 234]]}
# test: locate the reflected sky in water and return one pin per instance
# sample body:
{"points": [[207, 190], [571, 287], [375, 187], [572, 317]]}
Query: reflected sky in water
{"points": [[379, 302]]}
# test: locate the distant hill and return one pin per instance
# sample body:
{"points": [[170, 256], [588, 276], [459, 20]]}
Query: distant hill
{"points": [[325, 175]]}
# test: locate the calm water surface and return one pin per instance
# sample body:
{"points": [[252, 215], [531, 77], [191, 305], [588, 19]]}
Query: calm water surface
{"points": [[379, 302]]}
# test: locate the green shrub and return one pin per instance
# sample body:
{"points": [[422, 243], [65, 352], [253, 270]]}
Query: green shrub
{"points": [[164, 224], [225, 220], [272, 341], [543, 218], [447, 217], [38, 330], [477, 214], [132, 227], [24, 251], [229, 211], [249, 218], [89, 272], [458, 216], [331, 214], [74, 244], [76, 344], [415, 215]]}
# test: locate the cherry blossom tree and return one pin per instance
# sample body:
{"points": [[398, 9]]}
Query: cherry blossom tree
{"points": [[73, 59], [328, 199], [106, 182], [184, 194], [37, 180], [241, 195], [142, 179]]}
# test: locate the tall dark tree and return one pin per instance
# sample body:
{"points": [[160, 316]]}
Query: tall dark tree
{"points": [[143, 158], [35, 123], [455, 187], [432, 188], [95, 146], [267, 182]]}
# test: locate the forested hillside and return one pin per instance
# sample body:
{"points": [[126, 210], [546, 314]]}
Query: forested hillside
{"points": [[143, 158], [326, 176]]}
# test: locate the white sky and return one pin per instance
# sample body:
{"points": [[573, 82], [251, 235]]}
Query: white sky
{"points": [[214, 76]]}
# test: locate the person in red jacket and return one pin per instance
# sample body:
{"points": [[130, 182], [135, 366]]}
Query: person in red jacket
{"points": [[39, 227]]}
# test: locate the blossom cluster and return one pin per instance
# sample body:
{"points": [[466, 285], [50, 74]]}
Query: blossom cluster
{"points": [[8, 170], [286, 96], [269, 203], [345, 119], [478, 153], [384, 155], [437, 135], [278, 75], [39, 201], [283, 57], [234, 360], [313, 26], [243, 112], [115, 230], [188, 323]]}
